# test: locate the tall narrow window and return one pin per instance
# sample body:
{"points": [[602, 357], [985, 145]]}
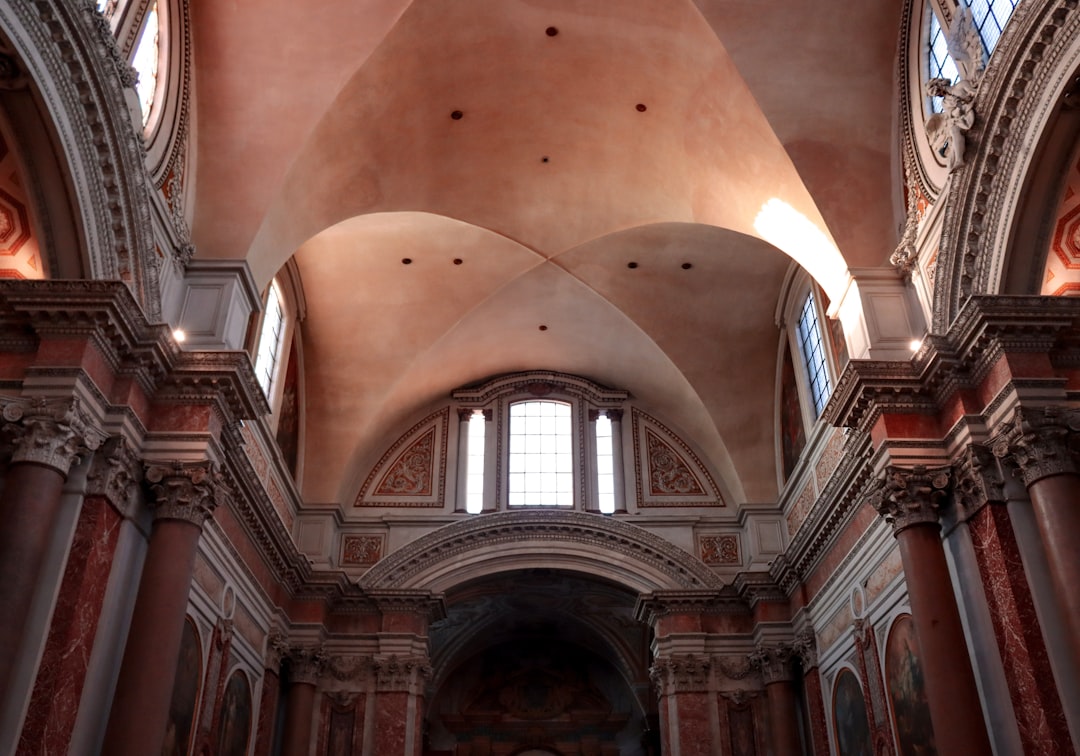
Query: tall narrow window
{"points": [[474, 471], [813, 352], [990, 17], [270, 338], [146, 59], [541, 463], [605, 465]]}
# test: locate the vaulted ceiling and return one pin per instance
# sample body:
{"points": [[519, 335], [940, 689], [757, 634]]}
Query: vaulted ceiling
{"points": [[544, 144]]}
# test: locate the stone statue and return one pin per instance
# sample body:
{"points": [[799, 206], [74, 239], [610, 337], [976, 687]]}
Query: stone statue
{"points": [[947, 129]]}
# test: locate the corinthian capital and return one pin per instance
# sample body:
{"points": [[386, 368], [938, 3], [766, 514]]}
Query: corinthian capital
{"points": [[774, 661], [115, 472], [910, 496], [185, 490], [1039, 441], [681, 673], [49, 432], [306, 664]]}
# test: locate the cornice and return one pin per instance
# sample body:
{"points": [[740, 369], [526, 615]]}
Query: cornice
{"points": [[652, 606]]}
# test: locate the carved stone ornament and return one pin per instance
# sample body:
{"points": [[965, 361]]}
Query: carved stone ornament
{"points": [[910, 496], [306, 664], [774, 662], [1040, 441], [805, 647], [681, 673], [977, 479], [49, 432], [407, 674], [351, 669], [948, 129], [739, 697], [115, 472], [734, 667], [187, 491], [129, 77], [905, 256], [277, 648]]}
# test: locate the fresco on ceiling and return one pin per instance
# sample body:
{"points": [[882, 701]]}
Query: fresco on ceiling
{"points": [[235, 717], [850, 722], [792, 431], [907, 694], [20, 256], [1062, 274], [185, 693]]}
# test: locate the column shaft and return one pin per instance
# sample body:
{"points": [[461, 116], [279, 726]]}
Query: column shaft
{"points": [[950, 683], [31, 504], [140, 708], [783, 717], [298, 714], [1056, 503]]}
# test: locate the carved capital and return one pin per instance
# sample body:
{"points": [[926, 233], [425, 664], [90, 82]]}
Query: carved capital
{"points": [[910, 496], [805, 648], [681, 673], [49, 432], [1039, 441], [351, 669], [187, 491], [306, 663], [774, 662], [396, 673], [115, 472], [977, 479], [277, 648]]}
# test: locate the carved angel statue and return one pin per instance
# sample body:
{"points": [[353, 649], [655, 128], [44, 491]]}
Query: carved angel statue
{"points": [[947, 129]]}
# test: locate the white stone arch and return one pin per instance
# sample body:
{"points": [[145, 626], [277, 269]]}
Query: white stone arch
{"points": [[82, 82], [573, 541], [1017, 103]]}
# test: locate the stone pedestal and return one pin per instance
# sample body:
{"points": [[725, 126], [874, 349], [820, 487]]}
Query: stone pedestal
{"points": [[910, 499], [184, 496]]}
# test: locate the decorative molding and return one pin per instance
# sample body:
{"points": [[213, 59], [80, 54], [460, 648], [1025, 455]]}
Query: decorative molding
{"points": [[719, 549], [49, 432], [910, 496], [638, 552], [650, 607], [361, 550], [412, 472], [675, 475], [188, 491]]}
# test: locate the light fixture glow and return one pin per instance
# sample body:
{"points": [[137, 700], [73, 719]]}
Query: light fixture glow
{"points": [[179, 335], [916, 345]]}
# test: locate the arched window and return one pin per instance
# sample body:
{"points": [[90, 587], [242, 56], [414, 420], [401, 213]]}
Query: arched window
{"points": [[147, 61], [812, 348], [939, 63], [990, 17], [271, 337]]}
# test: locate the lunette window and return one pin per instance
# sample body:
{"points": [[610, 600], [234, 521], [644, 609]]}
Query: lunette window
{"points": [[270, 339], [146, 59], [813, 352]]}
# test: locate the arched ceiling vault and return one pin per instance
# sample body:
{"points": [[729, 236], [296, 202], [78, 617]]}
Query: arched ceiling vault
{"points": [[649, 131]]}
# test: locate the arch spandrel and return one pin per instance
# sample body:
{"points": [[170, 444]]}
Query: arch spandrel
{"points": [[586, 543]]}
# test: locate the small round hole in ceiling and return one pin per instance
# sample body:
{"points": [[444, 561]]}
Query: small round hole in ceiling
{"points": [[543, 328], [551, 31], [631, 265], [641, 108], [457, 115], [458, 261], [687, 266], [406, 261], [545, 159]]}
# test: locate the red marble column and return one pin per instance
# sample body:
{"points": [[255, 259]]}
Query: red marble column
{"points": [[1038, 442], [683, 682], [775, 664], [185, 494], [909, 499], [806, 648], [305, 664], [399, 704], [49, 435]]}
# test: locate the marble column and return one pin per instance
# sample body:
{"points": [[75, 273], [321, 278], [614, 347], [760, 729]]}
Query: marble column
{"points": [[399, 698], [50, 720], [49, 435], [683, 684], [806, 648], [305, 665], [775, 664], [1038, 442], [909, 500], [184, 495]]}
